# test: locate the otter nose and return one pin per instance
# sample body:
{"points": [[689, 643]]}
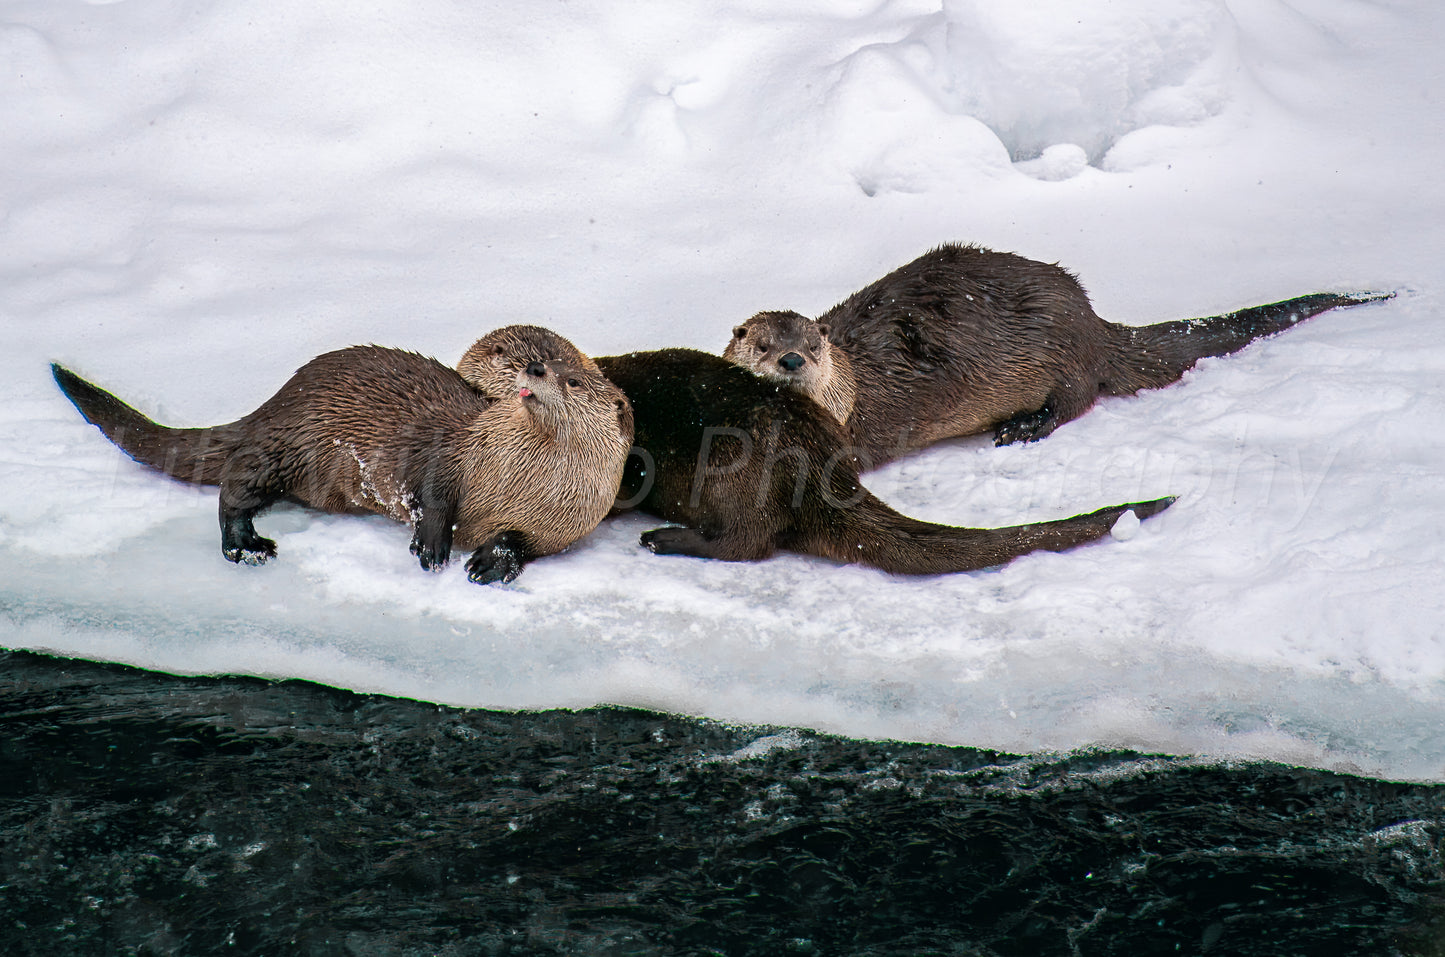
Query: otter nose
{"points": [[791, 362], [536, 369]]}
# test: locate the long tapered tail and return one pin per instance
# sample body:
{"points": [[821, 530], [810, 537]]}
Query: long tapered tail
{"points": [[191, 455], [874, 534], [1152, 356]]}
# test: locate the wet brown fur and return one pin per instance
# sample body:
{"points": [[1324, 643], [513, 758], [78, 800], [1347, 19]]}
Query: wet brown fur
{"points": [[747, 466], [370, 429], [966, 340]]}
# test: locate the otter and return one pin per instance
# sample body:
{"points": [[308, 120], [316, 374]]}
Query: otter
{"points": [[966, 340], [371, 429], [747, 466]]}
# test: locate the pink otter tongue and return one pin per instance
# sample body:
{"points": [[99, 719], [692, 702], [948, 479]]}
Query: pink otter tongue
{"points": [[525, 392]]}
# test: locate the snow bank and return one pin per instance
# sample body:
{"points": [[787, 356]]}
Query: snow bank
{"points": [[199, 197]]}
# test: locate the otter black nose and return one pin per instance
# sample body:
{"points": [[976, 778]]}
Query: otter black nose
{"points": [[791, 362], [536, 369]]}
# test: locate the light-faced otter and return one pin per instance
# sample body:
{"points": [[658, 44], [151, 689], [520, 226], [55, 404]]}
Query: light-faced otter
{"points": [[748, 466], [493, 361], [965, 340], [369, 429]]}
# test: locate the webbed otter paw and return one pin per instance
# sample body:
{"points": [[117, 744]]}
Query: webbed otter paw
{"points": [[1025, 427], [239, 541], [672, 540], [432, 557], [495, 564], [253, 551], [499, 560]]}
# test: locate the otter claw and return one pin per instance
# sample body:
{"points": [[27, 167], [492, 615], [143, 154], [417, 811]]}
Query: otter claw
{"points": [[1025, 427], [253, 552], [499, 560], [497, 564], [432, 558], [672, 540], [656, 541]]}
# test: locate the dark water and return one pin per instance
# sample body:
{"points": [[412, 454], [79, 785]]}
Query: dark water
{"points": [[147, 814]]}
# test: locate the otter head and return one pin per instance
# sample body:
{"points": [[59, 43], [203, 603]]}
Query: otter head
{"points": [[494, 361], [576, 406], [785, 347]]}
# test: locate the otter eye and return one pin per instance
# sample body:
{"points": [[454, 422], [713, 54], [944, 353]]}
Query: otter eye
{"points": [[763, 345], [740, 332], [574, 383]]}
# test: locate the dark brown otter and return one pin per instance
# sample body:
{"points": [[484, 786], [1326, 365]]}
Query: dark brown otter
{"points": [[965, 340], [493, 361], [368, 429], [748, 466]]}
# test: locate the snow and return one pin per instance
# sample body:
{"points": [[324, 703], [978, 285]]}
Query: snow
{"points": [[199, 196]]}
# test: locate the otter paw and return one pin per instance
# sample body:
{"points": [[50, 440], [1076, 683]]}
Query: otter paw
{"points": [[1024, 427], [432, 557], [672, 540], [253, 551], [500, 560]]}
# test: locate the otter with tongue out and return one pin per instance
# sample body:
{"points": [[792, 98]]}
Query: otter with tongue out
{"points": [[369, 429]]}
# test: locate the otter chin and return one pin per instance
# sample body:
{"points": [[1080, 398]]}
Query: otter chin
{"points": [[370, 429], [965, 340]]}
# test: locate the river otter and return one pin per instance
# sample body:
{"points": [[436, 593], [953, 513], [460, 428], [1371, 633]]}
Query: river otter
{"points": [[965, 340], [749, 466], [369, 429]]}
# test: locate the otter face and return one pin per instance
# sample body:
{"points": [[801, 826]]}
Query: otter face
{"points": [[493, 362], [569, 398], [784, 347]]}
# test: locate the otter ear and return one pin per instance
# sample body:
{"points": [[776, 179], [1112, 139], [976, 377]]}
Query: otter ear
{"points": [[740, 332], [822, 330], [499, 350]]}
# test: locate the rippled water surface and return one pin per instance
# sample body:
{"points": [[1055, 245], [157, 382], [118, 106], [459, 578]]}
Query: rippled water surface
{"points": [[147, 814]]}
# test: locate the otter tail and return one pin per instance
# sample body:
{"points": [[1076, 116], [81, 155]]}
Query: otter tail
{"points": [[191, 455], [1152, 356], [874, 534]]}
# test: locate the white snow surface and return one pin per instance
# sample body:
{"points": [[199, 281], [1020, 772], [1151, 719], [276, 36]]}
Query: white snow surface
{"points": [[198, 196]]}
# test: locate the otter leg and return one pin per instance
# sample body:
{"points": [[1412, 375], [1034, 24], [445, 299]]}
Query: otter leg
{"points": [[1068, 401], [679, 540], [500, 559], [249, 485], [432, 542]]}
